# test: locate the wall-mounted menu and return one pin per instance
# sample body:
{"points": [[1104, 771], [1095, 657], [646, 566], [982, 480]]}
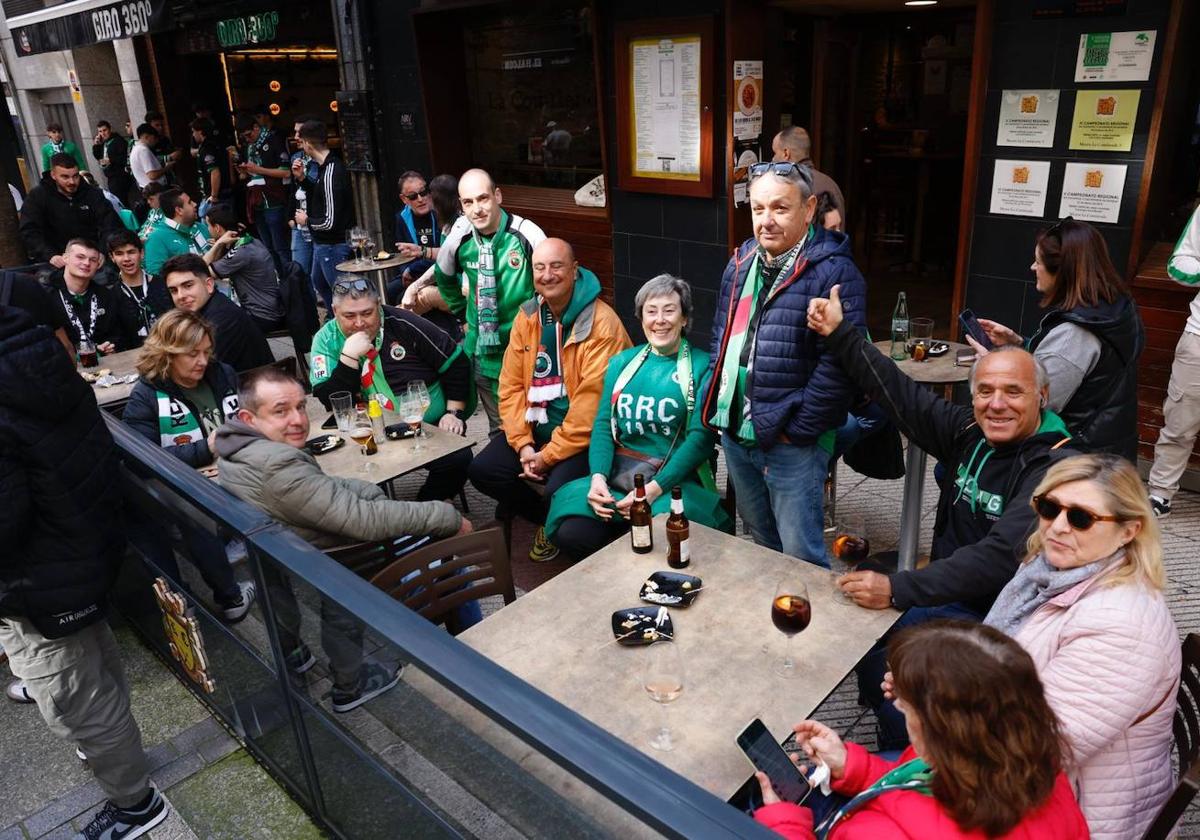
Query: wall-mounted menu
{"points": [[665, 95], [1092, 192], [1027, 118], [1019, 187], [1104, 120], [1115, 56]]}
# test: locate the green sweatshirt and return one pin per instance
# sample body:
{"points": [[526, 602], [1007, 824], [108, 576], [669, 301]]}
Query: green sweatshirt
{"points": [[66, 147]]}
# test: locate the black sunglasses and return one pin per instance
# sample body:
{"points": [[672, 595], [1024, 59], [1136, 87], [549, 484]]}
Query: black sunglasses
{"points": [[1056, 228], [782, 169], [413, 196], [345, 287], [1078, 518]]}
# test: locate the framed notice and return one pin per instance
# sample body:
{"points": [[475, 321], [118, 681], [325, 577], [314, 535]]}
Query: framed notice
{"points": [[1104, 120], [664, 106], [1115, 56], [1019, 187], [1092, 192], [1027, 118]]}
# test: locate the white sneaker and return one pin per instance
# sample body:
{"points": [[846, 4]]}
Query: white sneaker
{"points": [[18, 693], [236, 611]]}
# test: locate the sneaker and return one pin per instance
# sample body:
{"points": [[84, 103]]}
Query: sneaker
{"points": [[113, 823], [80, 755], [373, 681], [542, 551], [1161, 506], [301, 659], [237, 610], [18, 693]]}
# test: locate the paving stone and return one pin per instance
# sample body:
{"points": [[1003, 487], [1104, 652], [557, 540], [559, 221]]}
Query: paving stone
{"points": [[62, 832], [13, 832], [219, 747], [176, 771], [191, 738], [64, 808]]}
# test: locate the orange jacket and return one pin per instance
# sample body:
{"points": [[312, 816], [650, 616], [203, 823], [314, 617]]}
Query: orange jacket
{"points": [[595, 337]]}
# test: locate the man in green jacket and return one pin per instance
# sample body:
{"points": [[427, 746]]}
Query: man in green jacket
{"points": [[263, 461], [56, 144], [484, 269], [176, 233]]}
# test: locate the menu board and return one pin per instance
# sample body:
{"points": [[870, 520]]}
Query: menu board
{"points": [[1027, 118], [665, 96], [747, 105], [1115, 56], [354, 121], [1092, 192], [1019, 187], [1104, 120]]}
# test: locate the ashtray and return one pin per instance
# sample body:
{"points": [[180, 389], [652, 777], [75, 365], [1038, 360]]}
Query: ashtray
{"points": [[642, 625], [671, 589], [324, 443], [937, 348], [398, 431]]}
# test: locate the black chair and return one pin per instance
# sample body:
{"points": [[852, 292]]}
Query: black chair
{"points": [[1187, 742]]}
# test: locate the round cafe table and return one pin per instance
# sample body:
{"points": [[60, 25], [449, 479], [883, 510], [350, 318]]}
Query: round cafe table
{"points": [[935, 370], [380, 268]]}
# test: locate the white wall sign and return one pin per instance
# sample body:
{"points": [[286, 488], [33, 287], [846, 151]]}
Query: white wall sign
{"points": [[1092, 192], [1115, 56], [1019, 187], [1027, 118]]}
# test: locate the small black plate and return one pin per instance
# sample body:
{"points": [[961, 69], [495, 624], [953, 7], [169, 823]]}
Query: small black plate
{"points": [[398, 431], [642, 625], [324, 443], [671, 589], [937, 348]]}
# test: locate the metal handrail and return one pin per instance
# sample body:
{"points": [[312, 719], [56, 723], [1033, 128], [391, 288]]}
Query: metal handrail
{"points": [[646, 789]]}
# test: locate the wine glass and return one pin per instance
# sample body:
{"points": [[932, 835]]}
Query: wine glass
{"points": [[417, 389], [362, 433], [791, 612], [369, 246], [663, 680], [850, 547], [410, 412], [352, 241]]}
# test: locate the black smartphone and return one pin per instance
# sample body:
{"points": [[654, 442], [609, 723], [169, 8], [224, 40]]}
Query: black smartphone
{"points": [[970, 325], [766, 755], [330, 422]]}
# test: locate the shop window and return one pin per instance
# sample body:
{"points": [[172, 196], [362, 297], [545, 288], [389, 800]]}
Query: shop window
{"points": [[531, 95]]}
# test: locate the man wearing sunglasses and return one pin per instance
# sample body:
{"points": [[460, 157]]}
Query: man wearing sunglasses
{"points": [[995, 453]]}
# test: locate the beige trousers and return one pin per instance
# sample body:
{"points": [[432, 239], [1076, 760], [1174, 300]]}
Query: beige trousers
{"points": [[80, 688], [1181, 419]]}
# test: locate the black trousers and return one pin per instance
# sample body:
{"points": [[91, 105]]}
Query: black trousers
{"points": [[583, 536], [496, 472], [447, 475]]}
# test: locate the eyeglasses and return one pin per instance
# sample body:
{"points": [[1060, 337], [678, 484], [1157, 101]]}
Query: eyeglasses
{"points": [[1056, 228], [357, 284], [781, 169], [413, 196], [1078, 518]]}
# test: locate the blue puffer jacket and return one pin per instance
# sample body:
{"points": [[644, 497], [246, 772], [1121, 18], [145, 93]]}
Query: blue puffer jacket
{"points": [[796, 386]]}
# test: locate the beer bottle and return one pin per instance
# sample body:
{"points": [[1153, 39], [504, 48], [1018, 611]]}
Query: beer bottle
{"points": [[639, 517], [679, 555], [899, 348]]}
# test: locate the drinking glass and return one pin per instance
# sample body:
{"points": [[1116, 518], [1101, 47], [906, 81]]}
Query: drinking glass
{"points": [[791, 612], [417, 389], [850, 547], [369, 246], [921, 337], [410, 412], [362, 433], [342, 404], [663, 680], [352, 241]]}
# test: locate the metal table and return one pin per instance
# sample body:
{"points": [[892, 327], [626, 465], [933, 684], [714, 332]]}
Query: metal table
{"points": [[121, 364], [379, 267]]}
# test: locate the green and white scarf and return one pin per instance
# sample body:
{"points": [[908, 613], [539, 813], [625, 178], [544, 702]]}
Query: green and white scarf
{"points": [[177, 425], [487, 303], [913, 775], [547, 382]]}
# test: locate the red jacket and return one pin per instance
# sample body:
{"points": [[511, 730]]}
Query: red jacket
{"points": [[908, 814]]}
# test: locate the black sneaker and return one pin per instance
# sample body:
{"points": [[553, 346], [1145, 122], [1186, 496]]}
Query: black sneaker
{"points": [[237, 610], [1162, 507], [113, 823], [301, 659], [373, 680]]}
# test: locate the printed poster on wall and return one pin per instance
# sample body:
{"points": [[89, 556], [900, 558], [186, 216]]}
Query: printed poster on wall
{"points": [[665, 96], [747, 103], [1019, 187], [1028, 118], [1092, 192], [1115, 56], [1104, 120]]}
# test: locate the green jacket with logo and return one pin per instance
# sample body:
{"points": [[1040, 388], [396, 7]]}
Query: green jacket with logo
{"points": [[983, 515]]}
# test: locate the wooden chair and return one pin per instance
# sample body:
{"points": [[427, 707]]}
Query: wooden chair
{"points": [[1187, 743], [473, 566]]}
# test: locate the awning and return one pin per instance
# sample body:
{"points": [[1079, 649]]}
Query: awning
{"points": [[80, 23]]}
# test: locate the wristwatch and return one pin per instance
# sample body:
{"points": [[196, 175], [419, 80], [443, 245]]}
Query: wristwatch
{"points": [[457, 412]]}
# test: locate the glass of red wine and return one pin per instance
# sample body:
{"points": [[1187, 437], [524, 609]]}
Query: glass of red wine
{"points": [[791, 612], [850, 547]]}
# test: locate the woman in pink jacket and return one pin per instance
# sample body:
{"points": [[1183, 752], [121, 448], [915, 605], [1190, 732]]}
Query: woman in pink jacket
{"points": [[985, 758], [1088, 606]]}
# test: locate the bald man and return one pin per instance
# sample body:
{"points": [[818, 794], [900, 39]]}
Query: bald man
{"points": [[794, 144], [483, 270], [550, 383]]}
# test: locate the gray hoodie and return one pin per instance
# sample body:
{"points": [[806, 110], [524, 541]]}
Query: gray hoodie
{"points": [[325, 510]]}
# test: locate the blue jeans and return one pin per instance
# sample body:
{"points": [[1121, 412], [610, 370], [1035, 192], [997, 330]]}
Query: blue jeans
{"points": [[780, 496], [893, 733], [274, 233], [302, 248], [324, 269]]}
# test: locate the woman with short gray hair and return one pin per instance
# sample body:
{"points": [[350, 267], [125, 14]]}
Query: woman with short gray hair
{"points": [[647, 424]]}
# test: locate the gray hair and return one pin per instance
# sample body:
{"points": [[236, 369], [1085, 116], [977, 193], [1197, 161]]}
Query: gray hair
{"points": [[371, 291], [1043, 375], [661, 286], [799, 174]]}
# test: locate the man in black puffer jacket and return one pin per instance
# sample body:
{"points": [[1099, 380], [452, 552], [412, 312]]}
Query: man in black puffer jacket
{"points": [[60, 525]]}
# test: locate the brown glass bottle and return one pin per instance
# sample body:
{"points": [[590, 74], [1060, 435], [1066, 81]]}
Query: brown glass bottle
{"points": [[679, 555], [641, 534]]}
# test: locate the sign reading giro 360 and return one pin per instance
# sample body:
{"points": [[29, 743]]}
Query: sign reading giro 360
{"points": [[117, 20]]}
